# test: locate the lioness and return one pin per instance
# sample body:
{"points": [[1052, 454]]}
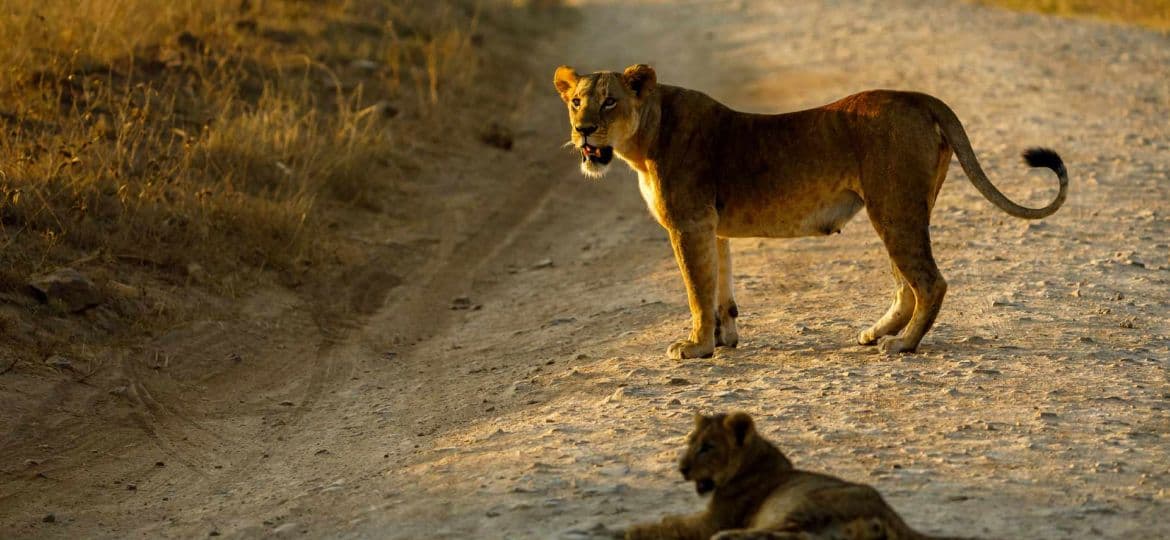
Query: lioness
{"points": [[709, 173], [757, 494]]}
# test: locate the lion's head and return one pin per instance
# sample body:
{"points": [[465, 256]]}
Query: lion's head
{"points": [[604, 110], [720, 448]]}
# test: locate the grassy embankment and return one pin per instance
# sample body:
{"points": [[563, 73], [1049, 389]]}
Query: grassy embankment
{"points": [[1149, 13], [170, 133], [212, 142]]}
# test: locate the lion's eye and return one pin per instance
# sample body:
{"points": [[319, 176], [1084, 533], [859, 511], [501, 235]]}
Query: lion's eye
{"points": [[576, 103], [609, 102]]}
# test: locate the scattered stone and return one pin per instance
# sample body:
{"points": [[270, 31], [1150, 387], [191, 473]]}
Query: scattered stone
{"points": [[131, 487], [49, 518], [285, 528], [1047, 416], [59, 362], [364, 65], [122, 290], [67, 288], [381, 108], [196, 272], [498, 136], [461, 303], [187, 40], [678, 381], [543, 263]]}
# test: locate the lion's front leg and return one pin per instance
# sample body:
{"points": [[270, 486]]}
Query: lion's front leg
{"points": [[726, 333], [697, 257], [692, 527]]}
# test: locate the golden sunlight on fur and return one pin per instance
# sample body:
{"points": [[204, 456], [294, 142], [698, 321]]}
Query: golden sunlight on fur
{"points": [[757, 494], [709, 173]]}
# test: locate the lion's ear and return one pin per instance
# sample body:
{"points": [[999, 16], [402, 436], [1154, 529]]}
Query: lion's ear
{"points": [[740, 425], [640, 79], [564, 80]]}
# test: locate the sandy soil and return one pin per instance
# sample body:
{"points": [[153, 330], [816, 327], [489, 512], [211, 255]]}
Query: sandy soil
{"points": [[542, 405]]}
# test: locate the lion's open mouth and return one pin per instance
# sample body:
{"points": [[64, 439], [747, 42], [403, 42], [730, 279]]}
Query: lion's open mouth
{"points": [[704, 486], [594, 154]]}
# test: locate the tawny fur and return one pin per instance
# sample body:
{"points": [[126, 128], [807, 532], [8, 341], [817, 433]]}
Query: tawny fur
{"points": [[709, 173], [757, 494]]}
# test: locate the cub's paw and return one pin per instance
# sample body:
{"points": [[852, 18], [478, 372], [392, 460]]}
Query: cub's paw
{"points": [[894, 345], [866, 337], [689, 349]]}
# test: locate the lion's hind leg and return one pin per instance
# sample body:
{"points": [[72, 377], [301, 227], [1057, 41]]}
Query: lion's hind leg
{"points": [[726, 333], [909, 247], [896, 317]]}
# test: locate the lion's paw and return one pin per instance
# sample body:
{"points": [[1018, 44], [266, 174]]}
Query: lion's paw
{"points": [[894, 345], [682, 349], [866, 337], [726, 335]]}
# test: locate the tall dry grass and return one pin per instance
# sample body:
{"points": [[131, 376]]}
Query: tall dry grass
{"points": [[1149, 13], [207, 131]]}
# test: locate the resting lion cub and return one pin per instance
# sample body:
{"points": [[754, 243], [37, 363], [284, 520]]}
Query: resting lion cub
{"points": [[757, 494], [709, 173]]}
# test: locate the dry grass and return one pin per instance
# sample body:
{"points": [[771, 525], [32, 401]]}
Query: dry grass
{"points": [[1149, 13], [167, 133]]}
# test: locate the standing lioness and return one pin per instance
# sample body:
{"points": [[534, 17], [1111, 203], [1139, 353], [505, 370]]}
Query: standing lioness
{"points": [[709, 173]]}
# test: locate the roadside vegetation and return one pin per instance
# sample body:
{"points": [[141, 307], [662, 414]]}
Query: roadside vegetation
{"points": [[175, 133], [1149, 13]]}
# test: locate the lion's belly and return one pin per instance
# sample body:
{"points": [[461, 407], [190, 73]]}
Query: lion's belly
{"points": [[815, 214]]}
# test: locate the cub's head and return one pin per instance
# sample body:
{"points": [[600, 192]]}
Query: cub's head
{"points": [[604, 110], [719, 448]]}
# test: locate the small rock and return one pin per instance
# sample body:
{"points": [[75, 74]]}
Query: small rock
{"points": [[285, 528], [187, 40], [364, 65], [122, 290], [461, 302], [49, 518], [381, 108], [66, 286], [678, 381], [498, 136], [131, 487], [196, 272], [59, 362], [543, 263], [1047, 416]]}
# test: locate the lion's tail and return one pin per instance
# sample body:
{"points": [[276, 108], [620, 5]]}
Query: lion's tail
{"points": [[956, 137]]}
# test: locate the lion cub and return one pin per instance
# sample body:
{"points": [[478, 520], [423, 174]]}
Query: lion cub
{"points": [[757, 494]]}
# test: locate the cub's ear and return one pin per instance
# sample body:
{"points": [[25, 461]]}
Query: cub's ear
{"points": [[564, 80], [740, 425], [640, 79]]}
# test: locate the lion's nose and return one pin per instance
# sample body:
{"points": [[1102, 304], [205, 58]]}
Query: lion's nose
{"points": [[586, 131]]}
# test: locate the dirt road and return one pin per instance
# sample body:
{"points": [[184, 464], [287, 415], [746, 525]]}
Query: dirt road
{"points": [[503, 375]]}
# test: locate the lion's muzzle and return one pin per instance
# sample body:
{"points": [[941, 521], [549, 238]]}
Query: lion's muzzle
{"points": [[600, 155]]}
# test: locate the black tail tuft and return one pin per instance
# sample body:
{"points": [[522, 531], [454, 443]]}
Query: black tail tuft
{"points": [[1043, 157]]}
